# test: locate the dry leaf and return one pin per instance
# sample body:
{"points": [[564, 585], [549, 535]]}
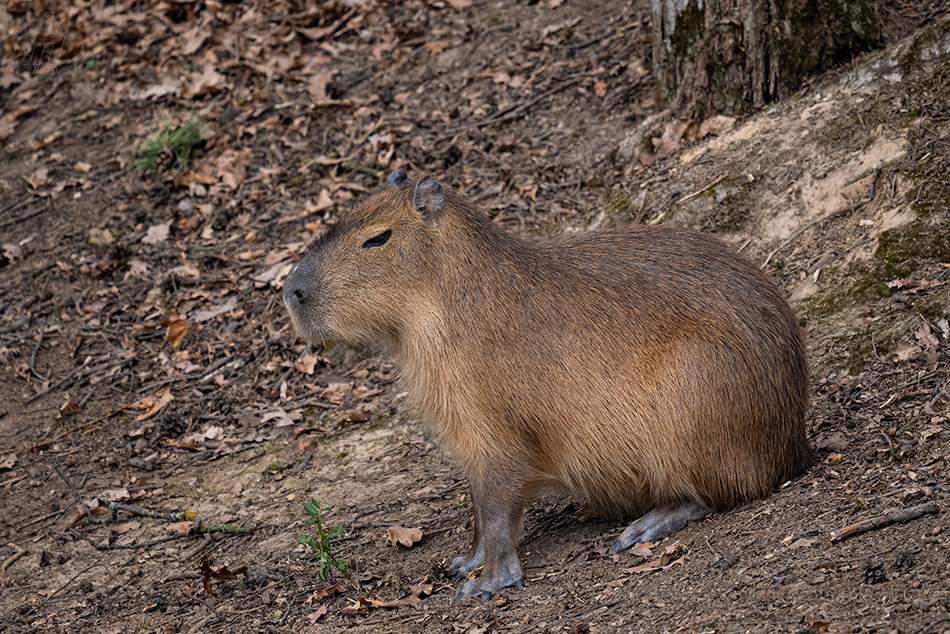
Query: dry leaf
{"points": [[179, 527], [187, 178], [208, 81], [459, 4], [437, 46], [944, 326], [334, 392], [316, 614], [672, 555], [201, 316], [925, 337], [322, 593], [38, 179], [113, 495], [405, 536], [307, 363], [8, 460], [231, 167], [833, 442], [157, 233], [274, 275], [125, 527], [177, 329], [153, 404], [11, 251], [600, 88], [68, 408], [191, 443], [360, 606], [101, 237], [905, 351]]}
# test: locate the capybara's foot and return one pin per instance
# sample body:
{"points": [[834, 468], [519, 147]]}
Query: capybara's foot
{"points": [[660, 523]]}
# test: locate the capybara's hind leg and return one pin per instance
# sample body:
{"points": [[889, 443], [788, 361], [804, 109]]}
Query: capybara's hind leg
{"points": [[659, 523]]}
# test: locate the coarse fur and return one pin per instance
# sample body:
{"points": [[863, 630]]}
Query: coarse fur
{"points": [[636, 369]]}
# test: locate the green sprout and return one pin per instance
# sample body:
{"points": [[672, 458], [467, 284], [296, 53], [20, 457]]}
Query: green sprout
{"points": [[171, 145], [319, 546]]}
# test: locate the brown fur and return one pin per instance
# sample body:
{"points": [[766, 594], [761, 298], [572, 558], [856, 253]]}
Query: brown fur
{"points": [[634, 368]]}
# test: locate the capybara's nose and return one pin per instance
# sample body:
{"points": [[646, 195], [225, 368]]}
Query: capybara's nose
{"points": [[295, 288]]}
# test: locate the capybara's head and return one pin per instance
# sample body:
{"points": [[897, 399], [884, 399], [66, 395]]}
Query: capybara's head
{"points": [[371, 274]]}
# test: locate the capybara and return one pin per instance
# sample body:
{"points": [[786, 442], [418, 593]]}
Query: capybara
{"points": [[647, 371]]}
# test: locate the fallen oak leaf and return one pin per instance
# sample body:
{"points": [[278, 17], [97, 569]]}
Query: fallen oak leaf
{"points": [[401, 535], [177, 328]]}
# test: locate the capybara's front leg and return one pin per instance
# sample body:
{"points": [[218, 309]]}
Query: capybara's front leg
{"points": [[499, 508]]}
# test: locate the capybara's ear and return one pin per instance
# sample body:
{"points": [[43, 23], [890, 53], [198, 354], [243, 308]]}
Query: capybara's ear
{"points": [[428, 198], [398, 179]]}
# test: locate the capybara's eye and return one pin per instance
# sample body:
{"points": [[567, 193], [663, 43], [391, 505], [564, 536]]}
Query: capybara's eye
{"points": [[378, 240]]}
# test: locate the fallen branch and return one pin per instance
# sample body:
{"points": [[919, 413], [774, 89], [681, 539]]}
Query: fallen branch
{"points": [[178, 516], [893, 517]]}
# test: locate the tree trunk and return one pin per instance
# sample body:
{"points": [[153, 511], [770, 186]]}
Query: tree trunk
{"points": [[732, 56]]}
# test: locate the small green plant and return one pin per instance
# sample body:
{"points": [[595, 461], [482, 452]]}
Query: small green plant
{"points": [[320, 545], [171, 145]]}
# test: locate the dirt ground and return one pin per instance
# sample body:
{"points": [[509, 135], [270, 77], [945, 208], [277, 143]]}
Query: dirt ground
{"points": [[147, 358]]}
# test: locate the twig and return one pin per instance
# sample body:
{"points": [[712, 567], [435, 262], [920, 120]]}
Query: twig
{"points": [[26, 216], [50, 441], [893, 517], [89, 517], [36, 348], [154, 542], [178, 516], [514, 111], [14, 557], [700, 192]]}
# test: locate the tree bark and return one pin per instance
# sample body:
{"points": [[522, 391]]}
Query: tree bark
{"points": [[732, 56]]}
